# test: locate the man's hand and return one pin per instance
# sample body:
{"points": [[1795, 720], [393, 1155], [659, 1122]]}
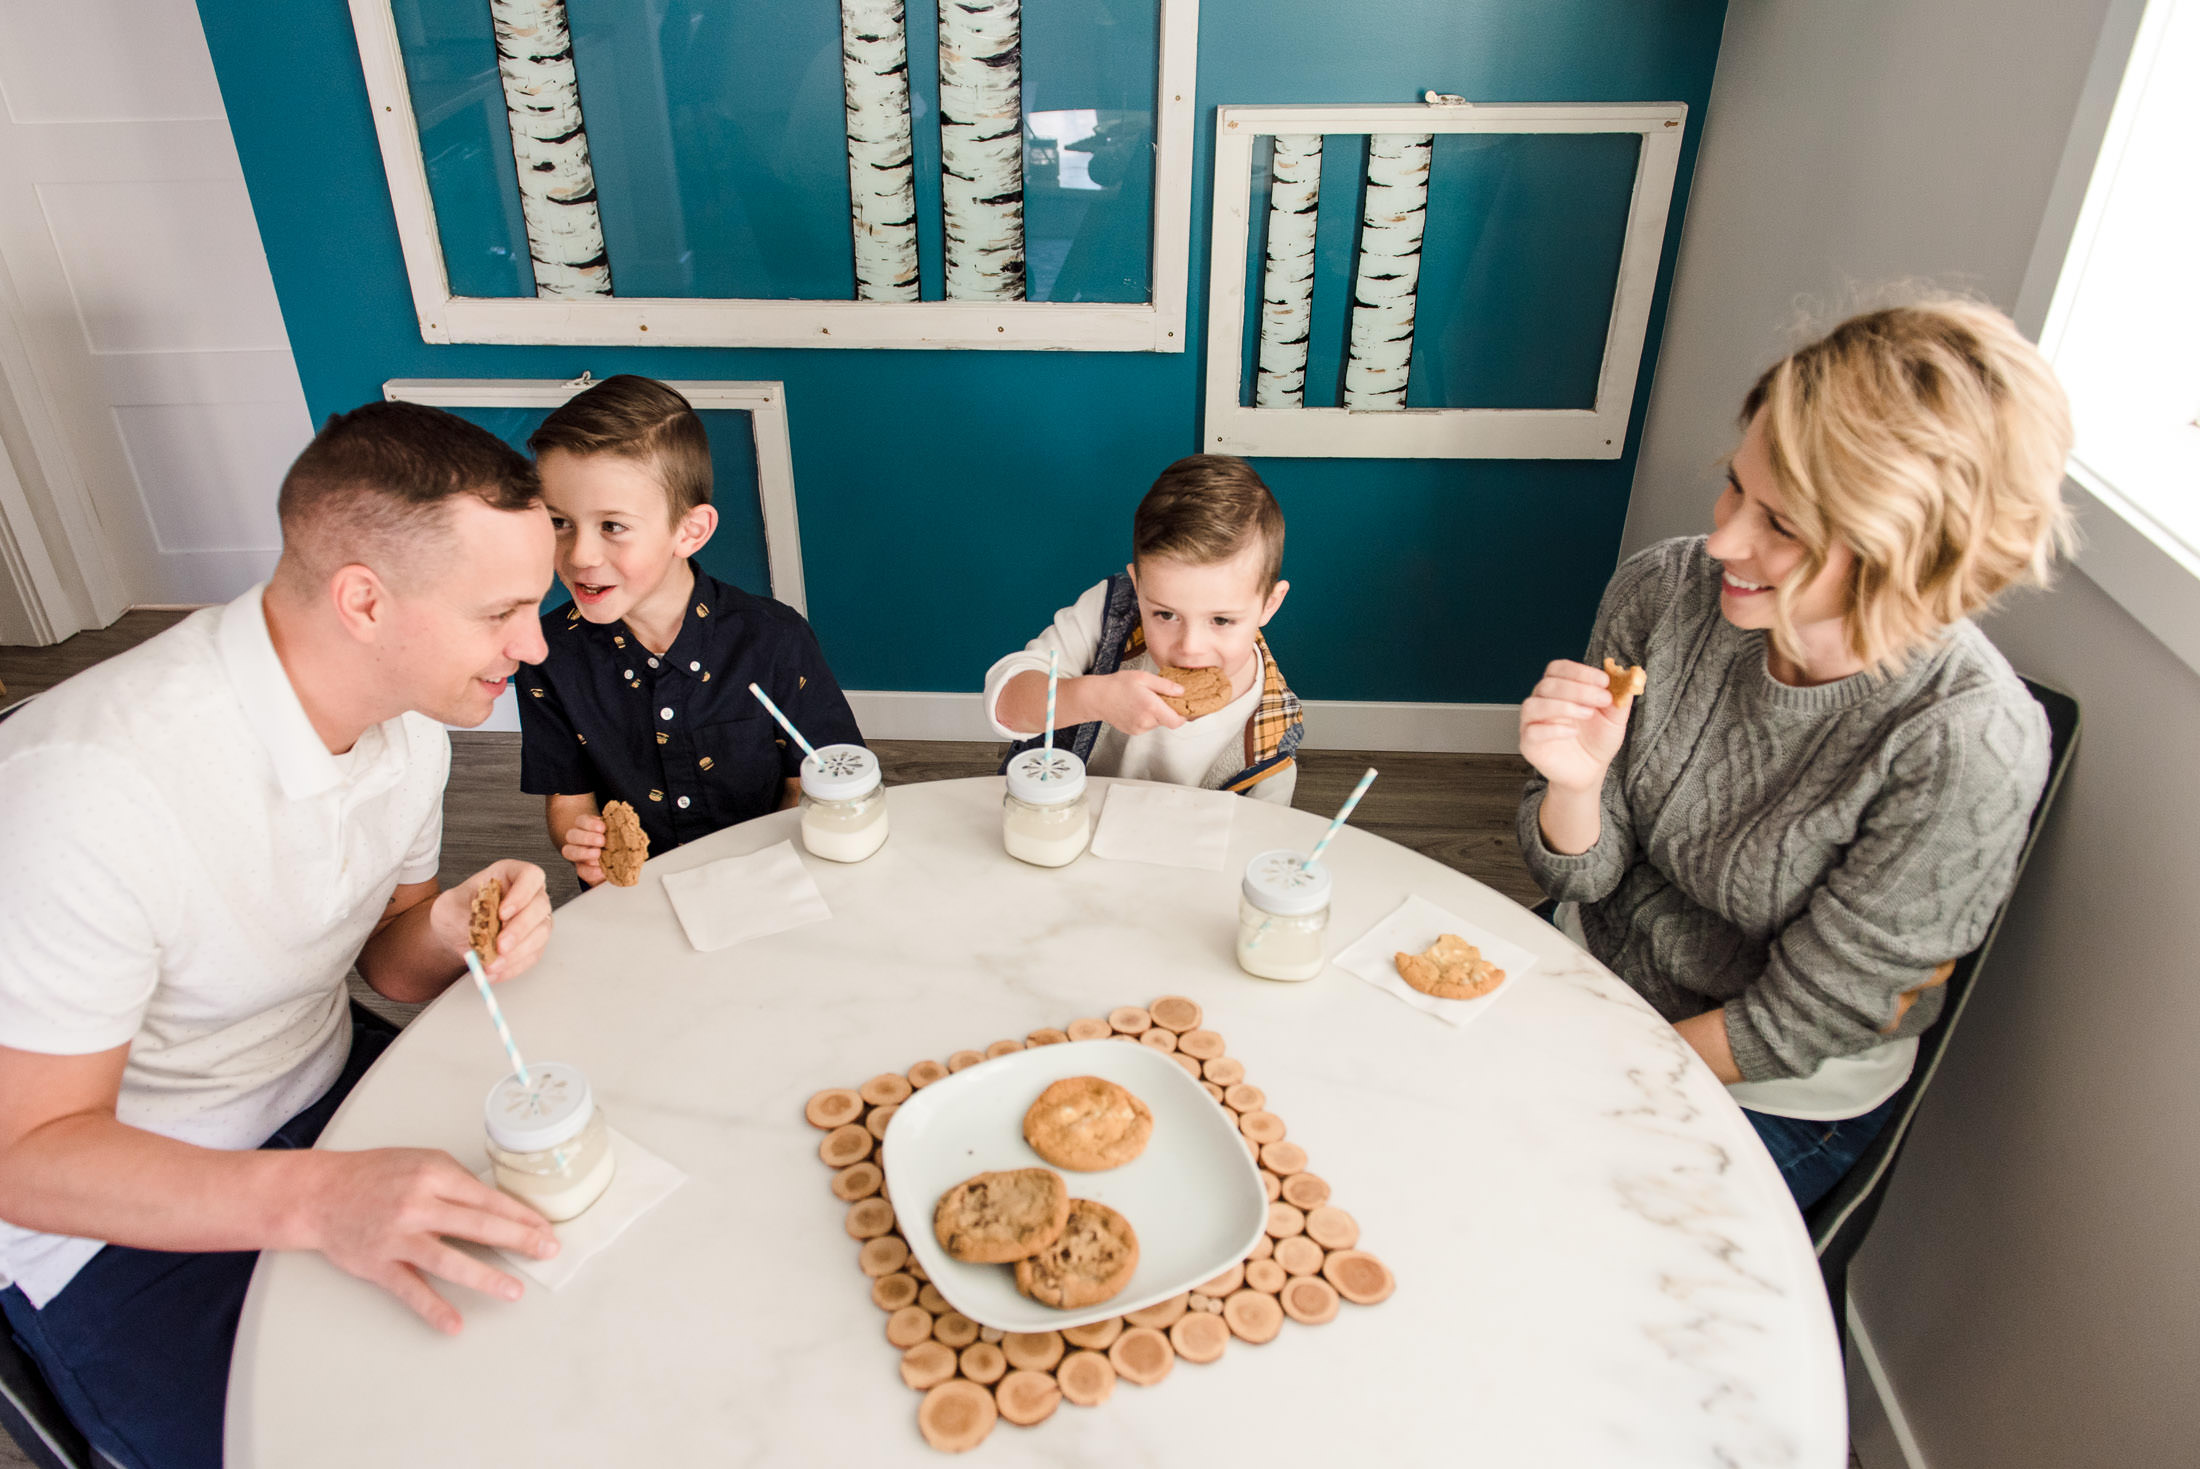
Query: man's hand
{"points": [[582, 844], [1130, 700], [385, 1215], [526, 915]]}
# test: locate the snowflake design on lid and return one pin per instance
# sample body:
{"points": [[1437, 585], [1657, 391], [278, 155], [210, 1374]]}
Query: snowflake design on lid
{"points": [[843, 762], [1046, 765], [1287, 872], [550, 1093]]}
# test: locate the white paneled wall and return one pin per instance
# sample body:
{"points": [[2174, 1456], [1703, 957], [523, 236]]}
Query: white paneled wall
{"points": [[144, 319]]}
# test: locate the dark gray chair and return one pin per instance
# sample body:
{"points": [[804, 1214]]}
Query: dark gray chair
{"points": [[1839, 1221]]}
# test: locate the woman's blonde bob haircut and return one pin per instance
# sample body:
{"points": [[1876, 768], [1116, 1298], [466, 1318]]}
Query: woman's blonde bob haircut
{"points": [[1930, 440]]}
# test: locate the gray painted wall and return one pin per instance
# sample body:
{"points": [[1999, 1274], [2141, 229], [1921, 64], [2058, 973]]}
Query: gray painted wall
{"points": [[2032, 1286]]}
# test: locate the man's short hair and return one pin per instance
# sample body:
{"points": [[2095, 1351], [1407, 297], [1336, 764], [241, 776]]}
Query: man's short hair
{"points": [[375, 485], [1208, 508], [636, 418]]}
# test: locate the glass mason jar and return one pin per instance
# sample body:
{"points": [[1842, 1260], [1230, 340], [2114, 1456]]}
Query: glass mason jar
{"points": [[843, 804], [1045, 818], [1283, 917], [548, 1141]]}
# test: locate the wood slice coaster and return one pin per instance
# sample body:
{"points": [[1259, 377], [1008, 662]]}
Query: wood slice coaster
{"points": [[1026, 1398], [1302, 1267], [1200, 1337], [885, 1090], [1086, 1378]]}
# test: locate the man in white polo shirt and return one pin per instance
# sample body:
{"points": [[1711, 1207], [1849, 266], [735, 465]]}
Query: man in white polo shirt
{"points": [[197, 839]]}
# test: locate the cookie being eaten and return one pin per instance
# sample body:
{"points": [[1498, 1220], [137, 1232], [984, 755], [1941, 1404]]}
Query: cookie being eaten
{"points": [[997, 1218], [1085, 1124], [486, 922], [1450, 969], [1091, 1260], [1205, 690], [625, 845], [1624, 683]]}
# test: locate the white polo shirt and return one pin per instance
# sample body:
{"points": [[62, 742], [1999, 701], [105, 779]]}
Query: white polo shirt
{"points": [[184, 868]]}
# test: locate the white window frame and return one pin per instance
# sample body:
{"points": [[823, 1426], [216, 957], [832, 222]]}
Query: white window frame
{"points": [[1079, 326], [765, 403], [2142, 566], [1436, 433]]}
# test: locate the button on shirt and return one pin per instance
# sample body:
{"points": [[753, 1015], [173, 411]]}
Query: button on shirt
{"points": [[187, 870], [678, 735]]}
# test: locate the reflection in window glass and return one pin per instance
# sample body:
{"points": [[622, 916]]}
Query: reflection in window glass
{"points": [[717, 131], [1519, 267]]}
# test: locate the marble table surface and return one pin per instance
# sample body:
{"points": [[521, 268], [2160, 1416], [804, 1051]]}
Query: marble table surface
{"points": [[1597, 1264]]}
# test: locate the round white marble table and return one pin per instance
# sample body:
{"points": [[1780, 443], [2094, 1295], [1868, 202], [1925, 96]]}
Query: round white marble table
{"points": [[1597, 1264]]}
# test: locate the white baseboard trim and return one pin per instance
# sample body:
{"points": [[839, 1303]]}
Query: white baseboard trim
{"points": [[1331, 724], [1890, 1407]]}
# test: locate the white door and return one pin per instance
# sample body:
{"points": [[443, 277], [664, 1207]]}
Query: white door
{"points": [[148, 396]]}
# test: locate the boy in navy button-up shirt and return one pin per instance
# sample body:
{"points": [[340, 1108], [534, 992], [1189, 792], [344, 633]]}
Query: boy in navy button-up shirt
{"points": [[644, 695]]}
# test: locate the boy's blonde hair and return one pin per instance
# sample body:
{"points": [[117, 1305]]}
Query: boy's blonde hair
{"points": [[1207, 508], [636, 418], [1930, 440]]}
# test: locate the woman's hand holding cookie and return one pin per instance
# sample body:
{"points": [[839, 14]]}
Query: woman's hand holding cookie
{"points": [[525, 913], [583, 847], [1570, 726]]}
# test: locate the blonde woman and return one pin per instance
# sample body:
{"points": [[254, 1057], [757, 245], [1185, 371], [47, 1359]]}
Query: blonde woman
{"points": [[1820, 795]]}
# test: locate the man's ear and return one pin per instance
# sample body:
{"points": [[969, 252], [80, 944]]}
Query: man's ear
{"points": [[695, 529], [361, 601], [1275, 600]]}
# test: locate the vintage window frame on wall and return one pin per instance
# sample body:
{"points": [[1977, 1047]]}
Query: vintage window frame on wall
{"points": [[764, 403], [1389, 430], [1157, 325]]}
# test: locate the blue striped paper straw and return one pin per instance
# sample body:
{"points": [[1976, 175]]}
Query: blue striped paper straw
{"points": [[784, 722], [496, 1013], [1338, 825], [1054, 664]]}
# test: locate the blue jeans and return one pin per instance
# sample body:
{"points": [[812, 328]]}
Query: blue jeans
{"points": [[136, 1346], [1813, 1155]]}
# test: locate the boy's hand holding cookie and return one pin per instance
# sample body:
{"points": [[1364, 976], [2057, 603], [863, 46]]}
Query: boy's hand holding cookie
{"points": [[524, 917], [1132, 700], [1571, 726], [582, 845]]}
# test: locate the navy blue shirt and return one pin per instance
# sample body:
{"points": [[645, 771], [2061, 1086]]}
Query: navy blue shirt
{"points": [[677, 734]]}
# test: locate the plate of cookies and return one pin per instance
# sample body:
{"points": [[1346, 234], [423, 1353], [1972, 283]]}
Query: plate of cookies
{"points": [[1063, 1184]]}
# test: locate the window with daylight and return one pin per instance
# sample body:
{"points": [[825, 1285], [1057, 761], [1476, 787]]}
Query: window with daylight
{"points": [[2124, 327]]}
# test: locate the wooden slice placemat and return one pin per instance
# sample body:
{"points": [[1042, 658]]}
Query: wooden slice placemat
{"points": [[1306, 1263]]}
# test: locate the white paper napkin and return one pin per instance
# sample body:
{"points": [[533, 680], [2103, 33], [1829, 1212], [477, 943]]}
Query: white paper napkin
{"points": [[1174, 826], [1412, 927], [740, 898], [643, 1181]]}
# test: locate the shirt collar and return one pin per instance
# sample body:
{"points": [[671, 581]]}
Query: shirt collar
{"points": [[302, 762]]}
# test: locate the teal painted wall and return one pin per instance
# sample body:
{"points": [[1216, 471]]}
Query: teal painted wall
{"points": [[950, 501]]}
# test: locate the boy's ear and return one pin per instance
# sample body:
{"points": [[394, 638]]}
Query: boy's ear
{"points": [[1132, 568], [695, 529], [1275, 600]]}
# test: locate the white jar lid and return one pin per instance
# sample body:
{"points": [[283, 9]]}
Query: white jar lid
{"points": [[839, 773], [1285, 884], [524, 1118], [1043, 777]]}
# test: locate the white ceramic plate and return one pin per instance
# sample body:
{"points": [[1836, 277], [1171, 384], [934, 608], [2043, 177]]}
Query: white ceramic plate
{"points": [[1194, 1196]]}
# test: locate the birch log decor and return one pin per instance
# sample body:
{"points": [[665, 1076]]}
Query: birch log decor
{"points": [[557, 184], [982, 148], [1389, 270], [1287, 276], [882, 192]]}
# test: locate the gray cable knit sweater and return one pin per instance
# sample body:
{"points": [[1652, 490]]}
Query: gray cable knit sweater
{"points": [[1798, 855]]}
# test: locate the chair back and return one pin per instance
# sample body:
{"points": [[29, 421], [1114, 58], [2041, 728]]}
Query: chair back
{"points": [[1839, 1221]]}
